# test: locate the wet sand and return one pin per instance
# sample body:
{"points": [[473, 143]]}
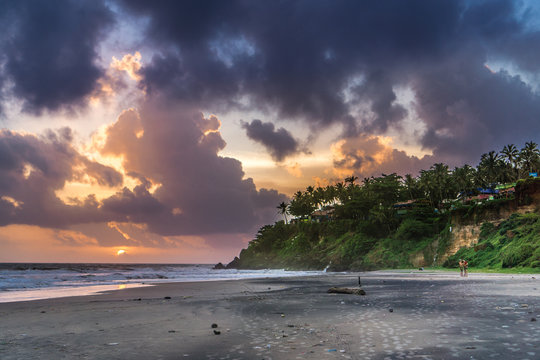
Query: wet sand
{"points": [[404, 315]]}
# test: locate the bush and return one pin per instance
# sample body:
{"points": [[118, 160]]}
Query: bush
{"points": [[411, 229]]}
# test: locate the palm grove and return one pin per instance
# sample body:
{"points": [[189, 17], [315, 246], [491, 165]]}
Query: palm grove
{"points": [[366, 230]]}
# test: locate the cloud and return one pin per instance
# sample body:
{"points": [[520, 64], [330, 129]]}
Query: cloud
{"points": [[468, 109], [31, 170], [185, 187], [279, 143], [366, 155], [300, 71], [49, 52], [199, 191], [345, 61]]}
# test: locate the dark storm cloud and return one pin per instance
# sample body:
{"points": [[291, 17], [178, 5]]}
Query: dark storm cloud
{"points": [[32, 169], [469, 109], [318, 60], [199, 192], [296, 56], [48, 51], [279, 143]]}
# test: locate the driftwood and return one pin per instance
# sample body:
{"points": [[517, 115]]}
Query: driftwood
{"points": [[338, 290]]}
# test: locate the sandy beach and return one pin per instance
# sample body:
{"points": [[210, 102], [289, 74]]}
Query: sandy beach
{"points": [[404, 315]]}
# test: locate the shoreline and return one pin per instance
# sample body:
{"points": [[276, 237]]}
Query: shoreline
{"points": [[416, 314], [52, 293]]}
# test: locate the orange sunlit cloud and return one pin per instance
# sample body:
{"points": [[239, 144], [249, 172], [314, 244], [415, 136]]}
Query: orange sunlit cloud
{"points": [[370, 155], [129, 63]]}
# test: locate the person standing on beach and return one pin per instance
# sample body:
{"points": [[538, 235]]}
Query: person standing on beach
{"points": [[461, 266]]}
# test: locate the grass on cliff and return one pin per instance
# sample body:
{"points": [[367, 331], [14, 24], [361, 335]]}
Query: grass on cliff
{"points": [[515, 243]]}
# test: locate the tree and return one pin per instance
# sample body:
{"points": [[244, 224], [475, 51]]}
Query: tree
{"points": [[463, 178], [351, 179], [510, 154], [301, 205], [411, 185], [441, 180], [529, 156], [491, 168], [283, 210]]}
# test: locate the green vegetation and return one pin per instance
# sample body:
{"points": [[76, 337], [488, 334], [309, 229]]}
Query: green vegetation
{"points": [[395, 222], [515, 243]]}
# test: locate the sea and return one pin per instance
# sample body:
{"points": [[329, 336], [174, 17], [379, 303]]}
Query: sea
{"points": [[28, 281]]}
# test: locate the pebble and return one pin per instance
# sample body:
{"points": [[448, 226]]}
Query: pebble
{"points": [[217, 332], [167, 298], [214, 326]]}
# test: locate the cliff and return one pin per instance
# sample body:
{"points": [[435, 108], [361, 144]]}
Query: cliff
{"points": [[499, 233]]}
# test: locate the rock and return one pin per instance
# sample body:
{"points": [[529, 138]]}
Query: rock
{"points": [[43, 312], [172, 331], [336, 290], [167, 298], [219, 266], [217, 332], [533, 319], [235, 264], [214, 326], [391, 310]]}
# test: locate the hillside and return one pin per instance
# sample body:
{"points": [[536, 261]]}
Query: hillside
{"points": [[496, 234]]}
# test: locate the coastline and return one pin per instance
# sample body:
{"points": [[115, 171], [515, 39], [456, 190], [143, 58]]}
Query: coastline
{"points": [[434, 315]]}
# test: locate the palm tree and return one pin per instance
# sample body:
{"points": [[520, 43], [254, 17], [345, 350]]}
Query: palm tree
{"points": [[490, 167], [410, 184], [426, 182], [511, 154], [283, 210], [463, 178], [529, 155], [351, 179], [441, 179]]}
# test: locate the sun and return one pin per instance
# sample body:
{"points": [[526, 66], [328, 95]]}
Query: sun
{"points": [[120, 252]]}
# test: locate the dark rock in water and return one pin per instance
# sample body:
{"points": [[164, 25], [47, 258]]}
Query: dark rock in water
{"points": [[219, 266], [217, 332], [214, 326], [391, 310], [172, 331], [167, 298], [43, 312], [235, 264], [533, 319]]}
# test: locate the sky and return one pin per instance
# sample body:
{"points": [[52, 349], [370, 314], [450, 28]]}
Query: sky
{"points": [[173, 129]]}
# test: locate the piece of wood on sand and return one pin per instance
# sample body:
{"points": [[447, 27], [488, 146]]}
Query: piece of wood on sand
{"points": [[353, 291]]}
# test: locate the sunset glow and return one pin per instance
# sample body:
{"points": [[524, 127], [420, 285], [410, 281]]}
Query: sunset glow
{"points": [[141, 133]]}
